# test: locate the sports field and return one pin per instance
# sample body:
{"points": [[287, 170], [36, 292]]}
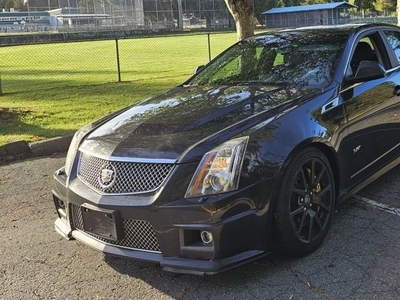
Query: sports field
{"points": [[53, 89], [48, 65]]}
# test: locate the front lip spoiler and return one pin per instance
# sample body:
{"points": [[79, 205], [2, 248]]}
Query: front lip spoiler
{"points": [[63, 229], [210, 267], [170, 264]]}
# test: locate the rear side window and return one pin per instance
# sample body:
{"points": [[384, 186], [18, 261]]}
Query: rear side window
{"points": [[394, 40]]}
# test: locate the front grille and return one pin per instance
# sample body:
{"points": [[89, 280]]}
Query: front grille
{"points": [[139, 234], [124, 177]]}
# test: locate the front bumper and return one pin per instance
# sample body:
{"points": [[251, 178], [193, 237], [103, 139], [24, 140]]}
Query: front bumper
{"points": [[172, 264], [169, 234]]}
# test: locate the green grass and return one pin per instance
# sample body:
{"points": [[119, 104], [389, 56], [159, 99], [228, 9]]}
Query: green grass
{"points": [[54, 89], [54, 112], [45, 66]]}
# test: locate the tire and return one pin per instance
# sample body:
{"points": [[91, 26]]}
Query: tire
{"points": [[305, 203]]}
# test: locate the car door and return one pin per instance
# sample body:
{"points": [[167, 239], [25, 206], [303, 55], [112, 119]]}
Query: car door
{"points": [[373, 114]]}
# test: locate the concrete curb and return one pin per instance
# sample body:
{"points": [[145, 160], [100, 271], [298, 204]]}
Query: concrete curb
{"points": [[22, 149]]}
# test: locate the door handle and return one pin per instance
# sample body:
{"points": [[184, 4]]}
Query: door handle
{"points": [[330, 105]]}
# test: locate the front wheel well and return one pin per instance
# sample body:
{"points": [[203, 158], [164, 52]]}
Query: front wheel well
{"points": [[305, 201], [327, 152], [330, 155]]}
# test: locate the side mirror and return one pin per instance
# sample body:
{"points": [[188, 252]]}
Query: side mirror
{"points": [[367, 70], [198, 69]]}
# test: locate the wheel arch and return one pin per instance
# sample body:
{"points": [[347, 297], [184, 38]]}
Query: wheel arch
{"points": [[327, 151], [331, 156]]}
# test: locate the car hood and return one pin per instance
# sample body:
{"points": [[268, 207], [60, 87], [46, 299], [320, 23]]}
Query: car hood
{"points": [[171, 126]]}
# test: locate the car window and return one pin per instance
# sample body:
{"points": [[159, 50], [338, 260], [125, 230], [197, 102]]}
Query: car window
{"points": [[364, 50], [275, 60], [291, 67], [393, 38], [238, 66]]}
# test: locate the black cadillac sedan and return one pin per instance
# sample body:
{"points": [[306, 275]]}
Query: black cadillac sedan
{"points": [[251, 154]]}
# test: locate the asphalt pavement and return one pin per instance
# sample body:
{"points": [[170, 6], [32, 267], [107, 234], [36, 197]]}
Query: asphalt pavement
{"points": [[358, 260]]}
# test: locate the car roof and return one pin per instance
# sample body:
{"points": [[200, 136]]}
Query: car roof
{"points": [[323, 29]]}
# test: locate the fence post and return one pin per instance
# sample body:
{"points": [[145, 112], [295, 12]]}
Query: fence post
{"points": [[209, 46], [118, 64]]}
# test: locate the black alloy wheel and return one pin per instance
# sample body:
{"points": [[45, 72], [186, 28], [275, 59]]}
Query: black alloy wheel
{"points": [[305, 203]]}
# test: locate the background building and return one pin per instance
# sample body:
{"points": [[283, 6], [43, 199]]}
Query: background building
{"points": [[308, 15], [70, 17], [15, 21], [133, 14]]}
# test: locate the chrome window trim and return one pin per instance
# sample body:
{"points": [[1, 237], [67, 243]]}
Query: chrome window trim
{"points": [[396, 68]]}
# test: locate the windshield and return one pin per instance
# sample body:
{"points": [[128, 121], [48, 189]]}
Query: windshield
{"points": [[285, 59]]}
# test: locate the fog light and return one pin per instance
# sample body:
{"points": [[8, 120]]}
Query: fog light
{"points": [[60, 207], [206, 237], [61, 204]]}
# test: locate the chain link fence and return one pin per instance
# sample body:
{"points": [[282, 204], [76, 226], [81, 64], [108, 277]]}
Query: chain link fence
{"points": [[168, 60], [67, 15]]}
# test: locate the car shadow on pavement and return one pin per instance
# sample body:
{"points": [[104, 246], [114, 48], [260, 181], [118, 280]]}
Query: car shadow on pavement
{"points": [[186, 286], [359, 257]]}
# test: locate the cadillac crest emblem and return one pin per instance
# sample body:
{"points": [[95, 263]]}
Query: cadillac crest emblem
{"points": [[107, 175]]}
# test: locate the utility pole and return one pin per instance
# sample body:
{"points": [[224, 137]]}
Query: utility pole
{"points": [[29, 12], [180, 15]]}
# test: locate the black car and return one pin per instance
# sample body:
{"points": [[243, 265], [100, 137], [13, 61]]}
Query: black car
{"points": [[249, 155]]}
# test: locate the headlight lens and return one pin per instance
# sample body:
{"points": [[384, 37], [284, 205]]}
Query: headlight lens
{"points": [[219, 169]]}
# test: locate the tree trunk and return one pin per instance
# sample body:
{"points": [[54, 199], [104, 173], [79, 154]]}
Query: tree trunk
{"points": [[398, 12], [243, 13]]}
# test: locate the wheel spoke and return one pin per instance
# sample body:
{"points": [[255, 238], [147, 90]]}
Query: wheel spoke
{"points": [[314, 216], [317, 199], [297, 211], [304, 178], [314, 219], [318, 179], [302, 223], [299, 192], [312, 173], [325, 190], [310, 229]]}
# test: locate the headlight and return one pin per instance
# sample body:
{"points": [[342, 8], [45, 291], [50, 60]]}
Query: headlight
{"points": [[219, 169]]}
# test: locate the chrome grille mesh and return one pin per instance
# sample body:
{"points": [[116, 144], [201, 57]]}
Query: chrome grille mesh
{"points": [[139, 234], [128, 177]]}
